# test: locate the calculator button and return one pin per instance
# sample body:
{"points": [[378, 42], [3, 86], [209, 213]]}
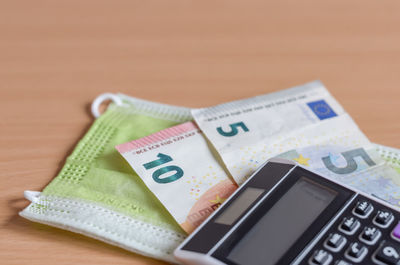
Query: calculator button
{"points": [[356, 252], [387, 253], [383, 218], [363, 209], [320, 257], [370, 235], [349, 225], [342, 262], [396, 232], [335, 242]]}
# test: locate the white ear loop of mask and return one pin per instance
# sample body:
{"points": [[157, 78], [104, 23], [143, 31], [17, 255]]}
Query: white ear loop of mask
{"points": [[32, 196], [100, 99]]}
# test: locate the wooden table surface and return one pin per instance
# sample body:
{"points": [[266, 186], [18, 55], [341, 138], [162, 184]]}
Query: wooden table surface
{"points": [[57, 56]]}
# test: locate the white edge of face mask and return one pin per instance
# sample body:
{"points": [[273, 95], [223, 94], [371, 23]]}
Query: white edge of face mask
{"points": [[106, 225], [155, 109]]}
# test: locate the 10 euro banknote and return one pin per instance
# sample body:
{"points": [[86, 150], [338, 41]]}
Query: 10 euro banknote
{"points": [[181, 170]]}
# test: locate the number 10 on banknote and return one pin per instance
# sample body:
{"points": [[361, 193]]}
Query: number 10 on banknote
{"points": [[177, 165]]}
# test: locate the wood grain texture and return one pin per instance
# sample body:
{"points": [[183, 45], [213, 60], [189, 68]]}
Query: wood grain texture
{"points": [[56, 56]]}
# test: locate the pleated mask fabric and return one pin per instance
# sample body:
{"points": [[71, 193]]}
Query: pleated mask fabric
{"points": [[97, 193]]}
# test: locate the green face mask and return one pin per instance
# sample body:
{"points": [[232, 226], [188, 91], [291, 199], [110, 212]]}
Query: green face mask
{"points": [[97, 193]]}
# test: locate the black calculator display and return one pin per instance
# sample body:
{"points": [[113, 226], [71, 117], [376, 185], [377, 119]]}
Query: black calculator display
{"points": [[286, 214]]}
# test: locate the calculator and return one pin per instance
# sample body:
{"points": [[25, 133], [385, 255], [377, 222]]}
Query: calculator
{"points": [[286, 214]]}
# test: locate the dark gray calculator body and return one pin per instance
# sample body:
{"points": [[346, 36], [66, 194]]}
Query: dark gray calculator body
{"points": [[286, 214]]}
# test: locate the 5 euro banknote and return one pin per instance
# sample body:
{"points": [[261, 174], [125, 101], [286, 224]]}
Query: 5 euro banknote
{"points": [[246, 132]]}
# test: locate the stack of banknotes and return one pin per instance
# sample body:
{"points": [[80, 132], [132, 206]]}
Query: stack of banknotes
{"points": [[192, 168]]}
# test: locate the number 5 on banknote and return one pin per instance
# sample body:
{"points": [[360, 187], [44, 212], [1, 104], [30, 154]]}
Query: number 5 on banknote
{"points": [[351, 162], [234, 129], [163, 159]]}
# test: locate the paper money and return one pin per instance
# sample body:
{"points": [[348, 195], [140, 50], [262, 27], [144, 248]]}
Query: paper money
{"points": [[246, 132], [390, 155], [177, 165], [305, 124], [352, 160]]}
